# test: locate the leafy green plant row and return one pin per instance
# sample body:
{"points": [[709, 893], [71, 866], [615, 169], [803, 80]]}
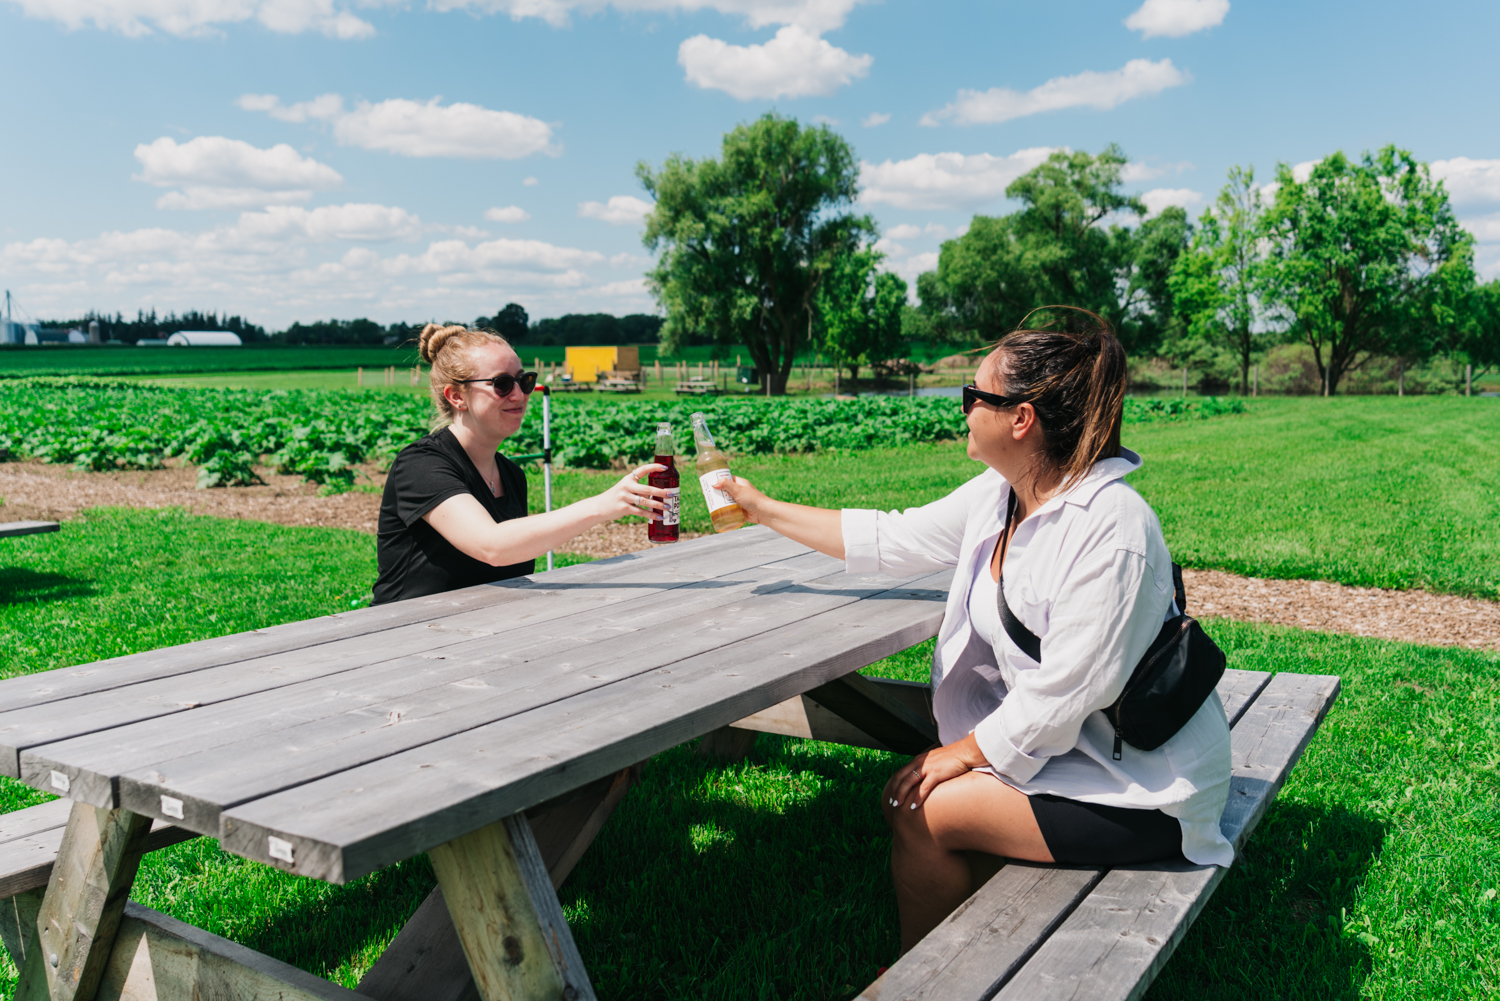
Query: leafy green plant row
{"points": [[323, 435]]}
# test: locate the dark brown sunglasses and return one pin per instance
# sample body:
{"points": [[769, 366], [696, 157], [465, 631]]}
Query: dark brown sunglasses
{"points": [[504, 383]]}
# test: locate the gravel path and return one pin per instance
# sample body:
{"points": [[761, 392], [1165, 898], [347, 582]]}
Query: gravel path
{"points": [[36, 490]]}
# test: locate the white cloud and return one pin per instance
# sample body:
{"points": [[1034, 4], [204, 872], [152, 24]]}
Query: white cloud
{"points": [[329, 222], [1101, 91], [510, 213], [416, 128], [909, 268], [291, 263], [621, 210], [189, 18], [1469, 182], [945, 180], [1486, 228], [1175, 18], [795, 63], [531, 182], [1149, 172], [1160, 198], [905, 231], [216, 172], [816, 16], [890, 248], [875, 118]]}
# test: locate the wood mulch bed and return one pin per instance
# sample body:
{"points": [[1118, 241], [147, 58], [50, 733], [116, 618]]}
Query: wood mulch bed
{"points": [[37, 490]]}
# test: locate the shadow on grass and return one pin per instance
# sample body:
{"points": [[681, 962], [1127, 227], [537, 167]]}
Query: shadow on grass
{"points": [[1275, 928], [766, 879], [20, 585]]}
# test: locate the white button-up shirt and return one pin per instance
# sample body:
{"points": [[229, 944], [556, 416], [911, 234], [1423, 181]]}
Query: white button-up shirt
{"points": [[1090, 575]]}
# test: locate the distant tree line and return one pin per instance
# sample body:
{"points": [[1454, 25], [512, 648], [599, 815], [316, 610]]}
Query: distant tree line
{"points": [[515, 325], [150, 326]]}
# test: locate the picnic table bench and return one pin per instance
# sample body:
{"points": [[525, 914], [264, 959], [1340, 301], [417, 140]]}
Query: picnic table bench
{"points": [[13, 528], [616, 383], [495, 728], [698, 387]]}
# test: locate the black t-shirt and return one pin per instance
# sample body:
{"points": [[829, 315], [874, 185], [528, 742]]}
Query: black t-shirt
{"points": [[414, 559]]}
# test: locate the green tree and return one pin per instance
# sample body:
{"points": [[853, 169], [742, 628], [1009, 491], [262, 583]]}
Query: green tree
{"points": [[1213, 283], [859, 311], [512, 323], [1365, 258], [1061, 247], [747, 240], [1149, 308]]}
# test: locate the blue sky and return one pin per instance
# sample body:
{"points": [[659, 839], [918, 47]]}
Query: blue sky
{"points": [[299, 159]]}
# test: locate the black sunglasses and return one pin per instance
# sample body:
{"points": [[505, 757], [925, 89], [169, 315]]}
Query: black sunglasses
{"points": [[505, 382], [973, 394]]}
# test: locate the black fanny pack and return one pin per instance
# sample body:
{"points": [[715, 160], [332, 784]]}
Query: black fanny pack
{"points": [[1167, 687]]}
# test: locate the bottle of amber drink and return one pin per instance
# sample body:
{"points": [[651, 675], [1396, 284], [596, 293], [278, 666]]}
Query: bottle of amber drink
{"points": [[713, 468], [664, 524]]}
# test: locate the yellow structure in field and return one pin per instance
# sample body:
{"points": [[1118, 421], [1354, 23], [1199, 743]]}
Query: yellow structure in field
{"points": [[588, 364]]}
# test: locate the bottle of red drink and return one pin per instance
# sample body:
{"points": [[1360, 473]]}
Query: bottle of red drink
{"points": [[663, 524]]}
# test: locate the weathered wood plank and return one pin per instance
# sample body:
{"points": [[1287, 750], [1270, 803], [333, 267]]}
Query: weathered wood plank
{"points": [[80, 914], [158, 958], [727, 744], [34, 820], [508, 919], [26, 862], [682, 560], [398, 806], [11, 529], [104, 712], [988, 937], [866, 705], [802, 717], [1268, 740], [1117, 940], [1237, 689], [431, 700]]}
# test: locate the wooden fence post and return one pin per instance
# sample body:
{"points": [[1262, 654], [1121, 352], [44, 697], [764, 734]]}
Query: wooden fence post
{"points": [[1469, 380]]}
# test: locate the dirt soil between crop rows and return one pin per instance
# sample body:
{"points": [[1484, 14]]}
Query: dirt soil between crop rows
{"points": [[35, 490]]}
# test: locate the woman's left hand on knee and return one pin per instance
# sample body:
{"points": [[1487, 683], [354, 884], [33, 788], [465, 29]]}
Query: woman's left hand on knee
{"points": [[931, 769]]}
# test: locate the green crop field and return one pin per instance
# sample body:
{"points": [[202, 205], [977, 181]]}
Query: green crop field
{"points": [[130, 360], [1374, 875]]}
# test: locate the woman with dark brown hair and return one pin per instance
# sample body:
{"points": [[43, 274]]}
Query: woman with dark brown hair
{"points": [[454, 509], [1027, 766]]}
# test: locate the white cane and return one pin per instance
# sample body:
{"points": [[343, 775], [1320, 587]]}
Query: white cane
{"points": [[547, 454]]}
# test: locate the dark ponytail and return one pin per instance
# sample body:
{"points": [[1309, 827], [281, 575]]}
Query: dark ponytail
{"points": [[1075, 378]]}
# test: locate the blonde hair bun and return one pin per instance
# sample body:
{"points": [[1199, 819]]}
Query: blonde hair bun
{"points": [[434, 336]]}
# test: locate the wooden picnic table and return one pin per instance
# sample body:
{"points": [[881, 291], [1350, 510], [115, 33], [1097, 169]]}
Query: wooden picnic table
{"points": [[698, 387], [495, 728], [490, 727]]}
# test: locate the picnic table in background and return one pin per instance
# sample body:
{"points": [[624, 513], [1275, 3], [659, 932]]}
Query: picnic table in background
{"points": [[495, 728], [698, 387], [619, 382]]}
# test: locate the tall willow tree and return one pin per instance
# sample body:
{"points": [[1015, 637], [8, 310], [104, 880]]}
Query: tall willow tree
{"points": [[747, 240]]}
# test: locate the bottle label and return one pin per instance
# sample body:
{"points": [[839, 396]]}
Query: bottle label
{"points": [[672, 514], [712, 495]]}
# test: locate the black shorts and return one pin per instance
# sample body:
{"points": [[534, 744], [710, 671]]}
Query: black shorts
{"points": [[1089, 834]]}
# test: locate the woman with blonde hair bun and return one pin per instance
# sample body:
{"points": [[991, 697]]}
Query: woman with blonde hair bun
{"points": [[454, 509]]}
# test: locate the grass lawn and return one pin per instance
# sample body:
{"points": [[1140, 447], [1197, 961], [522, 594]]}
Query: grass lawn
{"points": [[1374, 874], [1368, 491]]}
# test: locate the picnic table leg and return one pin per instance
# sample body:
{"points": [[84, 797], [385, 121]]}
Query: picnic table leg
{"points": [[508, 917], [80, 913], [425, 962]]}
